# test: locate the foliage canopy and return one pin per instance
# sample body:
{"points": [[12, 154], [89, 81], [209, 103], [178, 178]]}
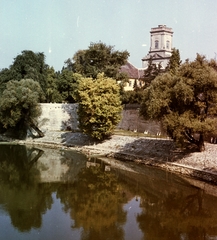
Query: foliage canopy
{"points": [[185, 102], [67, 85], [99, 106], [52, 93], [27, 65], [174, 62], [98, 58], [19, 106]]}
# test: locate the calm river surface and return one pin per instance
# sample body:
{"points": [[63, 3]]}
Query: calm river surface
{"points": [[53, 194]]}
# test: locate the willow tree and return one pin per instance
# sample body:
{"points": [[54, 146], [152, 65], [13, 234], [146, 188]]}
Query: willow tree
{"points": [[19, 108], [99, 106], [185, 102]]}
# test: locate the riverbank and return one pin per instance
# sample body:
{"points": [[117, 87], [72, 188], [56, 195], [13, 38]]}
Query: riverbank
{"points": [[157, 152]]}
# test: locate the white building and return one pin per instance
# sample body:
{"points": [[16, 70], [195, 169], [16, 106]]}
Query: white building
{"points": [[135, 76], [160, 46]]}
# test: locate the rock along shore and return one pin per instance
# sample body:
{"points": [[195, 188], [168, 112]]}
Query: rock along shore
{"points": [[157, 152]]}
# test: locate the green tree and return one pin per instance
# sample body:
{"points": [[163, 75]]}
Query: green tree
{"points": [[52, 93], [98, 58], [67, 85], [27, 65], [5, 76], [174, 62], [99, 106], [19, 108], [152, 71], [132, 97], [185, 102]]}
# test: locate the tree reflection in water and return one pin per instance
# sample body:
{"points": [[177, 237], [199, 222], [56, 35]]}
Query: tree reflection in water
{"points": [[20, 193], [95, 204], [170, 207], [176, 215]]}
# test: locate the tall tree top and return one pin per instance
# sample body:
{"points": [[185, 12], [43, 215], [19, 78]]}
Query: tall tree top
{"points": [[30, 65], [174, 62], [98, 58]]}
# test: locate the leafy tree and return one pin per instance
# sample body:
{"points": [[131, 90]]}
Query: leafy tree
{"points": [[174, 62], [27, 65], [133, 96], [19, 106], [185, 102], [152, 71], [67, 85], [99, 106], [52, 93], [98, 58], [212, 63], [5, 76]]}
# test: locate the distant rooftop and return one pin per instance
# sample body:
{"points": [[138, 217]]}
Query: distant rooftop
{"points": [[131, 71]]}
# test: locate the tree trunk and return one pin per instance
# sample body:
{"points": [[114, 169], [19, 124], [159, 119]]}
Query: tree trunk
{"points": [[200, 143], [33, 126]]}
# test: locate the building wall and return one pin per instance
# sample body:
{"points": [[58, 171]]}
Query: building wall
{"points": [[58, 117], [160, 52], [129, 86], [62, 117], [132, 121]]}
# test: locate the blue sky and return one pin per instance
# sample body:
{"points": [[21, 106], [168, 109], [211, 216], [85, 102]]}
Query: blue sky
{"points": [[59, 28]]}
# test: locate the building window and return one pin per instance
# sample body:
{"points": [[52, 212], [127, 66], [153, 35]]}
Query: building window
{"points": [[156, 44], [168, 44]]}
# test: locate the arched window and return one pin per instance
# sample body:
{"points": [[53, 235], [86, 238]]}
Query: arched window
{"points": [[168, 44], [156, 44]]}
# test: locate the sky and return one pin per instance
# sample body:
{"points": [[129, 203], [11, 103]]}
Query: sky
{"points": [[59, 28]]}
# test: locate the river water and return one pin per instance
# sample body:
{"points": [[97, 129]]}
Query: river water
{"points": [[57, 194]]}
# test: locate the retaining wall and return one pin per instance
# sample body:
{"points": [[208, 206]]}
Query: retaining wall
{"points": [[61, 117], [58, 117]]}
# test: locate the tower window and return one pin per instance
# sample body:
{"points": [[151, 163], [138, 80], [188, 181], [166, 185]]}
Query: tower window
{"points": [[168, 44], [156, 44]]}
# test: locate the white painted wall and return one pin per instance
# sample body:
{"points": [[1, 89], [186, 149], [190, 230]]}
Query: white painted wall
{"points": [[58, 117]]}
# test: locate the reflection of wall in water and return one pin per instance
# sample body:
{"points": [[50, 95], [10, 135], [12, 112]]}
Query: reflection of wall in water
{"points": [[56, 166]]}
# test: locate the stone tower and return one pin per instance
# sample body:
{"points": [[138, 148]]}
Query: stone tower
{"points": [[160, 46]]}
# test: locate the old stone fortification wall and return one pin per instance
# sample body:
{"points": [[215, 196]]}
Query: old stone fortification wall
{"points": [[60, 117], [131, 120]]}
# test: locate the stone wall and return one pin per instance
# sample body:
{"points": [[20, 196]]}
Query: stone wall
{"points": [[132, 121], [58, 117], [61, 117]]}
